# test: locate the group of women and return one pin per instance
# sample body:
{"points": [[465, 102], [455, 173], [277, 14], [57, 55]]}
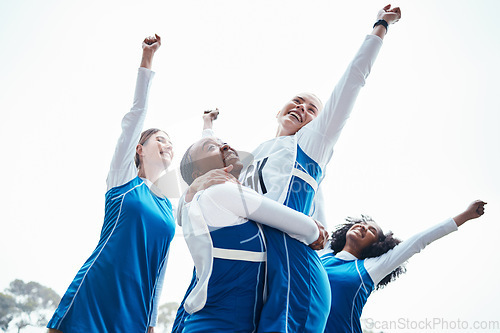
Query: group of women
{"points": [[252, 230]]}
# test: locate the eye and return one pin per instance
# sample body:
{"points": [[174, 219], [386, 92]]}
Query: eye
{"points": [[296, 101], [312, 111]]}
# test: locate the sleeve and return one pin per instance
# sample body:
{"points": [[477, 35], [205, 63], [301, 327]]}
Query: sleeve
{"points": [[319, 137], [158, 290], [180, 208], [122, 167], [235, 199], [380, 266], [319, 210], [207, 133]]}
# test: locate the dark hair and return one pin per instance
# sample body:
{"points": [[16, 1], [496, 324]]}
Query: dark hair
{"points": [[142, 140], [385, 243], [187, 166]]}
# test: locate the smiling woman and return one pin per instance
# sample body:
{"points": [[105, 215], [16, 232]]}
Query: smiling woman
{"points": [[297, 113], [118, 287], [155, 146], [289, 169], [363, 258]]}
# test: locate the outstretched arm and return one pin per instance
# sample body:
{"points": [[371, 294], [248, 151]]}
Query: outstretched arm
{"points": [[246, 203], [318, 138], [122, 167], [379, 267]]}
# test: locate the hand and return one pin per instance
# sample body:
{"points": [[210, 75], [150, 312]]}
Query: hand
{"points": [[149, 46], [151, 43], [208, 117], [475, 210], [212, 177], [322, 240], [389, 15], [151, 329], [211, 115]]}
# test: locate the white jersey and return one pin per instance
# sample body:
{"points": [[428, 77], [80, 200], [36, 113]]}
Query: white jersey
{"points": [[227, 205]]}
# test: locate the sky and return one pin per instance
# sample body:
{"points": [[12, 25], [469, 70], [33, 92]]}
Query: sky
{"points": [[420, 145]]}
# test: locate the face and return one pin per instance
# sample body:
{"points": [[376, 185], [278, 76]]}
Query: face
{"points": [[156, 150], [363, 234], [298, 112], [211, 153]]}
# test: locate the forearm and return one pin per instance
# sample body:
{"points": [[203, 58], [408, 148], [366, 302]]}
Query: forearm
{"points": [[380, 31], [208, 124], [246, 203], [380, 266], [462, 218], [122, 164], [319, 137], [147, 58]]}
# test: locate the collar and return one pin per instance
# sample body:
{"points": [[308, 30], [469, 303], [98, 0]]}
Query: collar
{"points": [[344, 255]]}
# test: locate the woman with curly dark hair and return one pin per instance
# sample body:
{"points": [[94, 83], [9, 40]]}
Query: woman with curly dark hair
{"points": [[363, 258]]}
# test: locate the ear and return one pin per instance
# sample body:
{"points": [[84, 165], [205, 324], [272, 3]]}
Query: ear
{"points": [[138, 149], [195, 174], [278, 113]]}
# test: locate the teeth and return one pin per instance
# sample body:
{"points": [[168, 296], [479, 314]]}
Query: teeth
{"points": [[296, 115]]}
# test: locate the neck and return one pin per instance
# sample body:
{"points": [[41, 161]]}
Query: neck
{"points": [[152, 173], [281, 132], [352, 250]]}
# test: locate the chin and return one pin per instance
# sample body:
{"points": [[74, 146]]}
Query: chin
{"points": [[237, 166]]}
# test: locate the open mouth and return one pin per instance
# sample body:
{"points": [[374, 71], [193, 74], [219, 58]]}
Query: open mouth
{"points": [[163, 153], [296, 115], [359, 232], [230, 156]]}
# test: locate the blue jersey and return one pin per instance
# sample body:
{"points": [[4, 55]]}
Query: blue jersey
{"points": [[235, 288], [298, 292], [289, 169], [114, 290], [350, 285]]}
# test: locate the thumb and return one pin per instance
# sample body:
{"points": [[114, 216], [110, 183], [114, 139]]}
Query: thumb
{"points": [[228, 168]]}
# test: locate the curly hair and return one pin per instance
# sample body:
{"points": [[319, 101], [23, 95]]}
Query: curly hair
{"points": [[384, 243]]}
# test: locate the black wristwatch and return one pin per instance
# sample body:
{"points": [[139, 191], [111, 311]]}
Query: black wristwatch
{"points": [[382, 22]]}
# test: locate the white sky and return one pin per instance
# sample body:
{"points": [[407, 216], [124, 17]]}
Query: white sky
{"points": [[421, 144]]}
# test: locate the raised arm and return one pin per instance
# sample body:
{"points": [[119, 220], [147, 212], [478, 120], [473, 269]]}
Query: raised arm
{"points": [[208, 118], [122, 167], [246, 203], [318, 138], [379, 267]]}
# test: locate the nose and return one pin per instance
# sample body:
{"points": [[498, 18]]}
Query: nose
{"points": [[362, 226], [301, 106], [224, 147]]}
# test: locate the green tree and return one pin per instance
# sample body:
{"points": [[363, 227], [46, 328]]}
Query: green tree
{"points": [[26, 304], [7, 310]]}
